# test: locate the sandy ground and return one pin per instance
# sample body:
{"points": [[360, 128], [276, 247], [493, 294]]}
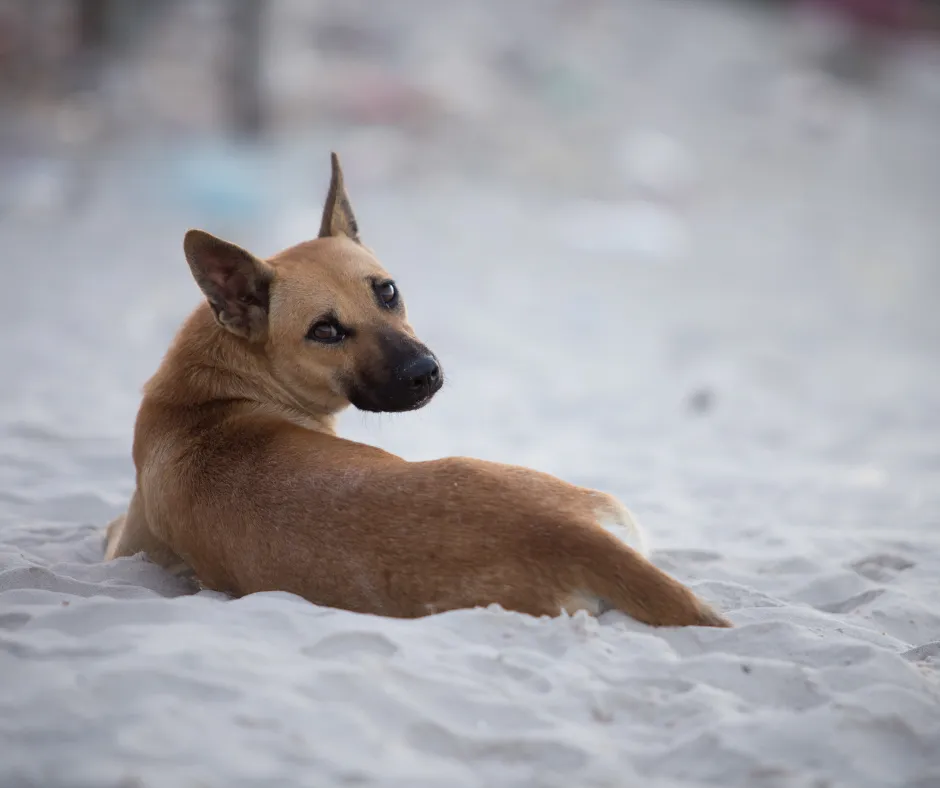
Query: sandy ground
{"points": [[741, 341], [775, 429]]}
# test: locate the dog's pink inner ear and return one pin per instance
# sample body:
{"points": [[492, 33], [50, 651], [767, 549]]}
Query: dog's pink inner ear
{"points": [[228, 281], [236, 284], [338, 218]]}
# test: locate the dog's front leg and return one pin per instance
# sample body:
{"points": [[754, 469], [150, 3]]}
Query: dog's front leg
{"points": [[129, 534]]}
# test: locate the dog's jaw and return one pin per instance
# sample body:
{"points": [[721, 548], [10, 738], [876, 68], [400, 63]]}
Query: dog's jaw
{"points": [[362, 402]]}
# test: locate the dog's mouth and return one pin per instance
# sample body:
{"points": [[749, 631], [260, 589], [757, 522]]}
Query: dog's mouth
{"points": [[371, 404], [422, 402]]}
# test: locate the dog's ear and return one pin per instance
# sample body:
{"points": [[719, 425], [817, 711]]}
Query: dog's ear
{"points": [[338, 218], [236, 283]]}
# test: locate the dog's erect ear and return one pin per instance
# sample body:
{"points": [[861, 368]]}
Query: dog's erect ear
{"points": [[338, 218], [235, 282]]}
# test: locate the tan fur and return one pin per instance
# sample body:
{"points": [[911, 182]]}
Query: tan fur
{"points": [[241, 477]]}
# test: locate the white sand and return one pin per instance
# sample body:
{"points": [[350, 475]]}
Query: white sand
{"points": [[804, 502], [764, 395]]}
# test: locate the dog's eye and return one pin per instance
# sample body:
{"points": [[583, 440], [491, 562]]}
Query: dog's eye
{"points": [[387, 293], [326, 331]]}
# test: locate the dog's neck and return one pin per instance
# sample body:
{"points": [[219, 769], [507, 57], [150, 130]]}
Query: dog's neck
{"points": [[206, 365]]}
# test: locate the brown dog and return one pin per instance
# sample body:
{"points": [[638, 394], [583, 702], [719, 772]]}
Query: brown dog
{"points": [[241, 477]]}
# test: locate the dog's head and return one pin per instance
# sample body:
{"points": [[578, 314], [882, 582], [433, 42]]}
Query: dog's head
{"points": [[326, 321]]}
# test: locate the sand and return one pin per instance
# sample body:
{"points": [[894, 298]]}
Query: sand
{"points": [[779, 446]]}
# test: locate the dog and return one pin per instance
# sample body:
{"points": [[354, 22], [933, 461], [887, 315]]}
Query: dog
{"points": [[242, 479]]}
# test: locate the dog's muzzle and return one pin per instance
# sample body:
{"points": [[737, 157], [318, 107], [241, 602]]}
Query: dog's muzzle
{"points": [[409, 386]]}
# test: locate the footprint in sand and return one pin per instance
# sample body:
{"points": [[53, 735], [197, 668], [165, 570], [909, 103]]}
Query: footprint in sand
{"points": [[881, 567]]}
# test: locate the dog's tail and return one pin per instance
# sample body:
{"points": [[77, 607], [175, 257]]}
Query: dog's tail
{"points": [[626, 581]]}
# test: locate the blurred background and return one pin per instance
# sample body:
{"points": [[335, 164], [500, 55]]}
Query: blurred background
{"points": [[659, 245], [591, 98]]}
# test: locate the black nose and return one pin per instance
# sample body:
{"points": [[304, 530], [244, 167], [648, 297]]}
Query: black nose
{"points": [[422, 373]]}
